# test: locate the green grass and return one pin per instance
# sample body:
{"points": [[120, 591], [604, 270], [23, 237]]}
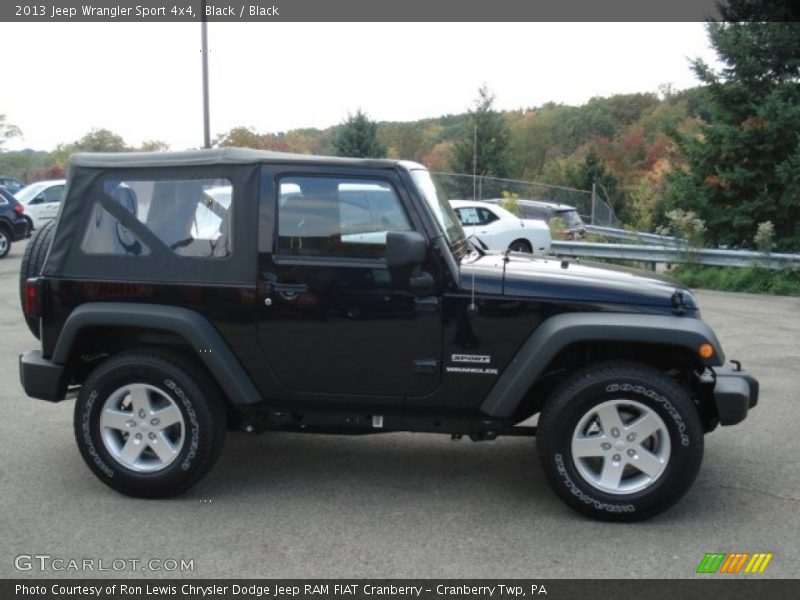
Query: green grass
{"points": [[752, 280]]}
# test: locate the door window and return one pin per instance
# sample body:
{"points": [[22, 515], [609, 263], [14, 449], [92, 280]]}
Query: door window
{"points": [[476, 215], [336, 217], [53, 194]]}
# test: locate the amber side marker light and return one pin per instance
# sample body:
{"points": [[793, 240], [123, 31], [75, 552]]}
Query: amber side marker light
{"points": [[706, 351]]}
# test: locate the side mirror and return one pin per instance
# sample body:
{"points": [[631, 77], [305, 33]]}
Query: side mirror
{"points": [[405, 249]]}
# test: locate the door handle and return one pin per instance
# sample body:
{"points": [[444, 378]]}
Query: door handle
{"points": [[288, 288], [426, 366], [426, 303]]}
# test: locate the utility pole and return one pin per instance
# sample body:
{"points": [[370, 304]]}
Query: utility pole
{"points": [[204, 52]]}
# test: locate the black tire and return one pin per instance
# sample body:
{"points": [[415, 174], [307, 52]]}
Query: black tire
{"points": [[181, 382], [5, 241], [521, 246], [652, 392], [32, 263]]}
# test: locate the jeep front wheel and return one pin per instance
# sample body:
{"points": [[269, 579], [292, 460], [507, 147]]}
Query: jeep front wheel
{"points": [[620, 441], [149, 424]]}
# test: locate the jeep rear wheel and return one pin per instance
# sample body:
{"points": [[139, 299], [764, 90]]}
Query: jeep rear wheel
{"points": [[620, 441], [149, 424]]}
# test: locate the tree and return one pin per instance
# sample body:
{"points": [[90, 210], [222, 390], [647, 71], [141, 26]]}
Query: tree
{"points": [[358, 137], [759, 10], [96, 140], [483, 145], [743, 164], [406, 141], [7, 131], [240, 137], [100, 140], [153, 146]]}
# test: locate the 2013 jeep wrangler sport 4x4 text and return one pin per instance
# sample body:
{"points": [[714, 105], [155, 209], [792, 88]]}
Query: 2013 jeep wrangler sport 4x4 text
{"points": [[185, 294]]}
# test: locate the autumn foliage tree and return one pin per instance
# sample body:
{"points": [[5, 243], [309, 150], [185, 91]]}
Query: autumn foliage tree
{"points": [[743, 164]]}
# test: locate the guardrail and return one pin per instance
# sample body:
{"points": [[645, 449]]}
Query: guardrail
{"points": [[676, 254], [635, 236]]}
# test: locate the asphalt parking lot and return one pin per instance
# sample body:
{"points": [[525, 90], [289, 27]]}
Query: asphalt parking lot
{"points": [[405, 505]]}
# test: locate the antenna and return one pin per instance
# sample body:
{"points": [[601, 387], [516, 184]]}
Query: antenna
{"points": [[474, 162], [472, 308], [204, 52]]}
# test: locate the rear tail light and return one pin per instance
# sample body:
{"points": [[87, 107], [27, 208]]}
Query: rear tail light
{"points": [[32, 304], [19, 209]]}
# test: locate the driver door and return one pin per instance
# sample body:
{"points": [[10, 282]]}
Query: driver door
{"points": [[335, 321]]}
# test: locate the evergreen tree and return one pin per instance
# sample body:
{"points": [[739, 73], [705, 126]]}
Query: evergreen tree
{"points": [[485, 142], [743, 164], [358, 137]]}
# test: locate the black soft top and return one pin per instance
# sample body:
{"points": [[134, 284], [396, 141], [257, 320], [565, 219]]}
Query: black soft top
{"points": [[86, 197], [216, 156]]}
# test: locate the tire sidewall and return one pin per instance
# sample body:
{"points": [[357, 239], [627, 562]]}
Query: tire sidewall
{"points": [[677, 413], [523, 246], [6, 248], [186, 395]]}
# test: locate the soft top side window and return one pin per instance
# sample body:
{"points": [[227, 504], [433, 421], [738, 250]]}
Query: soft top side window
{"points": [[191, 217]]}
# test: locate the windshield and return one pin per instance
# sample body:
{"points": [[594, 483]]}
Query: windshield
{"points": [[440, 207], [29, 192]]}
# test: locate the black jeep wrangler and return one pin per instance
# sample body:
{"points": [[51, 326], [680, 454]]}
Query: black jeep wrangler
{"points": [[181, 295]]}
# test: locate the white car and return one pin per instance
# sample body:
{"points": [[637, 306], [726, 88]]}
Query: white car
{"points": [[41, 200], [498, 230]]}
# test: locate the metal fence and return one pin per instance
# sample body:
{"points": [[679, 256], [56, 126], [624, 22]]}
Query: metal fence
{"points": [[677, 254], [589, 204], [635, 236], [599, 216]]}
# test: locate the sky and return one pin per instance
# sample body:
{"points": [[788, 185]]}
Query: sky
{"points": [[143, 81]]}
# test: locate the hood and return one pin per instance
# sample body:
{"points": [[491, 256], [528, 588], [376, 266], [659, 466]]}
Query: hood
{"points": [[551, 278]]}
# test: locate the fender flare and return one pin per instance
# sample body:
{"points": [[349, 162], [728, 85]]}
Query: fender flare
{"points": [[558, 332], [193, 327]]}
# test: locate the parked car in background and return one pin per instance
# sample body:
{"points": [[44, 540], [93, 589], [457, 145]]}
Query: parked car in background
{"points": [[13, 226], [11, 184], [41, 200], [499, 230], [573, 228]]}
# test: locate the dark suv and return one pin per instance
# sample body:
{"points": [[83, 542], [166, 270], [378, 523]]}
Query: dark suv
{"points": [[186, 294], [13, 225]]}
